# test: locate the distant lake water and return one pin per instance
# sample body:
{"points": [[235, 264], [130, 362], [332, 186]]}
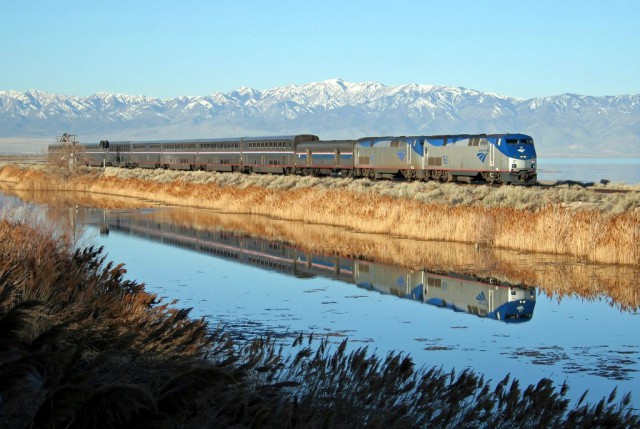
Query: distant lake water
{"points": [[619, 170]]}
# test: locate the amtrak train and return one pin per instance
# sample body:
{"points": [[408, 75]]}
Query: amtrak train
{"points": [[492, 158]]}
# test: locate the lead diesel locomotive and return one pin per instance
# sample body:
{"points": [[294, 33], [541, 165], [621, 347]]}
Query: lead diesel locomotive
{"points": [[494, 158]]}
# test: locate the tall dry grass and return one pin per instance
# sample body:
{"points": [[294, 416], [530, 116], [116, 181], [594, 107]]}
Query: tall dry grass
{"points": [[599, 227]]}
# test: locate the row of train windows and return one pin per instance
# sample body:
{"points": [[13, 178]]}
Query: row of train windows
{"points": [[192, 146], [269, 145], [219, 252], [143, 147], [178, 242], [270, 264], [173, 146], [232, 145]]}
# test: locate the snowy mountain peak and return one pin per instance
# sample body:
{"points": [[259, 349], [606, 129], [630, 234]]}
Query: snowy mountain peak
{"points": [[333, 108]]}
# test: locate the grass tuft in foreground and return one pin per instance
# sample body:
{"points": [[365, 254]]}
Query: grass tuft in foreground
{"points": [[81, 347]]}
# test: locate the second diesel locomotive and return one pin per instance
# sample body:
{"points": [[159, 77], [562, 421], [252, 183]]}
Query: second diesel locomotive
{"points": [[494, 158]]}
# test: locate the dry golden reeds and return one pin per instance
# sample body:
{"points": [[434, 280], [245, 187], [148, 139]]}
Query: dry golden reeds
{"points": [[507, 217]]}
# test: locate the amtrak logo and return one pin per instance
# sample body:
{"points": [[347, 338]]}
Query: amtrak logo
{"points": [[481, 156], [401, 156], [481, 298], [521, 149]]}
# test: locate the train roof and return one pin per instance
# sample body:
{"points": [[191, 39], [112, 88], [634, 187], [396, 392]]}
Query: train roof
{"points": [[312, 138], [216, 140], [442, 136], [494, 135], [286, 137]]}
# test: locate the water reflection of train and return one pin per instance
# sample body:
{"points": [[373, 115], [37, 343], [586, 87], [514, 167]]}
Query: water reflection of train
{"points": [[483, 297]]}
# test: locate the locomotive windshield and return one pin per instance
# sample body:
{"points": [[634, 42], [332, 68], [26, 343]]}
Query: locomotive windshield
{"points": [[520, 141]]}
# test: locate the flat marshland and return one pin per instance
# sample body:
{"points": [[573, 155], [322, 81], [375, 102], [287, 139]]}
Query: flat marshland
{"points": [[599, 223], [80, 346]]}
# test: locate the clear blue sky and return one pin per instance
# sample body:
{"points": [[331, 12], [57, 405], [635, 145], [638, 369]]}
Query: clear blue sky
{"points": [[188, 47]]}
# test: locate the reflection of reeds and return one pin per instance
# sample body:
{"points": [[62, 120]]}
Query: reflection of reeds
{"points": [[70, 198], [555, 275], [82, 347]]}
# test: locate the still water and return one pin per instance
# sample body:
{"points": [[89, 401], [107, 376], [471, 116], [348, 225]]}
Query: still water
{"points": [[447, 305], [617, 170]]}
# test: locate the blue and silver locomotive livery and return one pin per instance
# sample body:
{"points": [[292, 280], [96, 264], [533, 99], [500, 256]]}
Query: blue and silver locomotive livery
{"points": [[493, 158]]}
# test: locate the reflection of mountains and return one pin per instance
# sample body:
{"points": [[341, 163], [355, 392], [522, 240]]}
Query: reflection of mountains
{"points": [[483, 297]]}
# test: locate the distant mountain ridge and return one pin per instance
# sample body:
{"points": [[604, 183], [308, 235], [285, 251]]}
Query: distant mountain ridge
{"points": [[565, 124]]}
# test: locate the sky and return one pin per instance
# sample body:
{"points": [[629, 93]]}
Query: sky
{"points": [[525, 48]]}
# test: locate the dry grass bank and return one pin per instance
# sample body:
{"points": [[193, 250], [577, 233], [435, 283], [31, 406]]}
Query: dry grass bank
{"points": [[597, 226]]}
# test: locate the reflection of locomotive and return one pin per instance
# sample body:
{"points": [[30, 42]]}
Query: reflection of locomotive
{"points": [[507, 158], [485, 298], [492, 299]]}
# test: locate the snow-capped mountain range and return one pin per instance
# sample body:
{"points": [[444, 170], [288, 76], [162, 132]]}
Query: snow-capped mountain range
{"points": [[566, 124]]}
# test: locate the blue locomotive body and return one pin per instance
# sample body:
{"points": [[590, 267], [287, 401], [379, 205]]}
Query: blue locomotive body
{"points": [[494, 158]]}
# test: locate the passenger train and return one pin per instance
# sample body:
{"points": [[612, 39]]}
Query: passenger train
{"points": [[494, 158]]}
